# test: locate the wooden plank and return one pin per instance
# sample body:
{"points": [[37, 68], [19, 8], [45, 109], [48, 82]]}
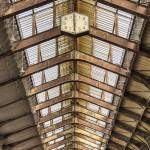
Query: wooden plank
{"points": [[32, 41], [113, 39], [21, 6], [74, 78], [128, 6]]}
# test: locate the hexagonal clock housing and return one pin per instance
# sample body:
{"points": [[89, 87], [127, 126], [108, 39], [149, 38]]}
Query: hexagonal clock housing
{"points": [[74, 23]]}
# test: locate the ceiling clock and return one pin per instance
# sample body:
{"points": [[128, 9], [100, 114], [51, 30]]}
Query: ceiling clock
{"points": [[74, 23]]}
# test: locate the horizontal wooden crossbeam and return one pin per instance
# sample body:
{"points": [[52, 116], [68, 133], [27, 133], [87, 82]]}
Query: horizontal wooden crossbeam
{"points": [[74, 78], [55, 114], [57, 144], [22, 6], [13, 9], [128, 6], [67, 57], [55, 32], [113, 39], [75, 95], [32, 41], [90, 125]]}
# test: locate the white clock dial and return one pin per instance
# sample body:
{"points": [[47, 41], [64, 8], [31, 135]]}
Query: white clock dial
{"points": [[82, 23], [74, 23], [67, 23]]}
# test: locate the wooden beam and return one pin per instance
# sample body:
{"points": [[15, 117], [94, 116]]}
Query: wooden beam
{"points": [[101, 63], [141, 78], [142, 133], [144, 51], [51, 84], [88, 133], [89, 139], [55, 32], [38, 147], [136, 143], [79, 146], [128, 6], [28, 144], [33, 147], [146, 120], [133, 142], [57, 144], [50, 102], [130, 114], [17, 124], [94, 100], [78, 56], [83, 110], [15, 110], [36, 39], [83, 146], [113, 39], [84, 142], [90, 125], [21, 135], [79, 121], [56, 126], [124, 138], [48, 63], [32, 41], [124, 126], [70, 122], [148, 142], [132, 147], [67, 146], [120, 136], [66, 111], [21, 6], [143, 140], [41, 66], [139, 100], [58, 135], [55, 114], [69, 56], [102, 86], [116, 145], [74, 78], [75, 95], [130, 129], [79, 130], [26, 5]]}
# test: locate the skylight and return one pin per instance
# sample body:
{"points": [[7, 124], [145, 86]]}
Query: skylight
{"points": [[109, 19]]}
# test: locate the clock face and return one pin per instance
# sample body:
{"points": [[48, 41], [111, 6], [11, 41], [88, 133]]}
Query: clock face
{"points": [[82, 23], [74, 23], [67, 23]]}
